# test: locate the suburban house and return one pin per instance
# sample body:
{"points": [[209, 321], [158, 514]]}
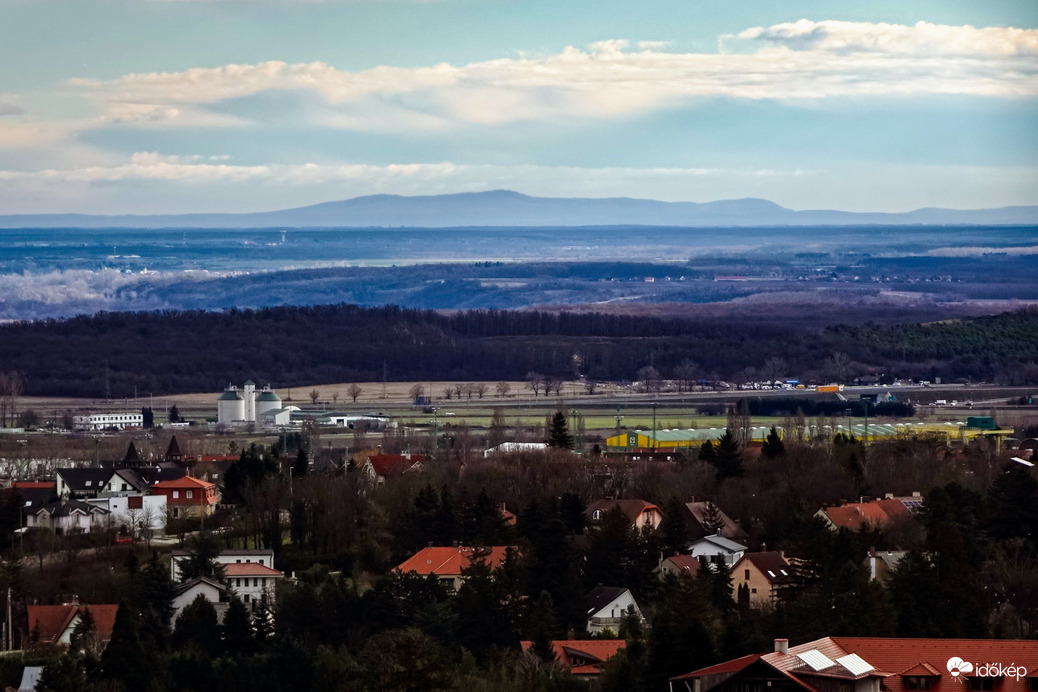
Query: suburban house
{"points": [[213, 591], [584, 658], [877, 514], [640, 512], [54, 624], [717, 550], [188, 496], [881, 563], [706, 519], [679, 566], [379, 467], [250, 574], [81, 483], [253, 582], [758, 577], [607, 606], [135, 514], [69, 517], [446, 563], [872, 664]]}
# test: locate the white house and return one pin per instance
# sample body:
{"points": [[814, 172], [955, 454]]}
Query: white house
{"points": [[68, 516], [607, 606], [135, 512], [718, 550], [213, 591], [249, 573]]}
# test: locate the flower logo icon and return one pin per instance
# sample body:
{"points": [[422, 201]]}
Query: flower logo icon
{"points": [[957, 667]]}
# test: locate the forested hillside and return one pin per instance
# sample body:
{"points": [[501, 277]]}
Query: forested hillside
{"points": [[171, 352]]}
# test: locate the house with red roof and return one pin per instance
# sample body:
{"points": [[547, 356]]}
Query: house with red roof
{"points": [[447, 562], [759, 577], [876, 514], [584, 658], [54, 624], [379, 467], [679, 566], [188, 496], [249, 573], [875, 664], [640, 512]]}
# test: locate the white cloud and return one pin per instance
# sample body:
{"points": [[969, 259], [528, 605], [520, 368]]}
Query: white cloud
{"points": [[801, 60]]}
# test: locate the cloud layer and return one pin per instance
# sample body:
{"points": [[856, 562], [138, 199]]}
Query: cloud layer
{"points": [[801, 60]]}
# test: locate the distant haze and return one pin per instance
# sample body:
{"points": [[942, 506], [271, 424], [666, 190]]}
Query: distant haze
{"points": [[502, 208]]}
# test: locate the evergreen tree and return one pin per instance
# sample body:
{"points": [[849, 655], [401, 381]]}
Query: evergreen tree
{"points": [[728, 461], [84, 634], [302, 465], [559, 436], [673, 532], [124, 659], [197, 627], [237, 629], [773, 446], [201, 561], [71, 672], [707, 452], [1014, 505], [713, 522]]}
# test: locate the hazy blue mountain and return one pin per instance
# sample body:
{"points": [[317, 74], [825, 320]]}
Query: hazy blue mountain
{"points": [[506, 208]]}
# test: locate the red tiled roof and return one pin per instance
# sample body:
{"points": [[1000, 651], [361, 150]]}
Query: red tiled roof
{"points": [[594, 651], [771, 565], [733, 666], [49, 622], [449, 561], [857, 515], [887, 655], [393, 464], [686, 563], [34, 484], [185, 483], [250, 569]]}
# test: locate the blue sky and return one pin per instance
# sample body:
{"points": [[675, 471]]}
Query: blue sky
{"points": [[154, 106]]}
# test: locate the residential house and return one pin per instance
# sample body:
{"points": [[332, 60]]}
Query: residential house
{"points": [[447, 563], [607, 605], [213, 591], [379, 467], [706, 519], [584, 658], [876, 514], [260, 556], [69, 517], [135, 514], [188, 496], [759, 577], [640, 512], [882, 563], [717, 550], [250, 574], [54, 624], [81, 483], [679, 566], [872, 664]]}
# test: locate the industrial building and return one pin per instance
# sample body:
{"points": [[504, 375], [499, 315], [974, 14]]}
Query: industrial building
{"points": [[243, 406]]}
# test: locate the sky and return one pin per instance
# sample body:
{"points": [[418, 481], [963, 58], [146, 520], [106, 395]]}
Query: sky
{"points": [[167, 106]]}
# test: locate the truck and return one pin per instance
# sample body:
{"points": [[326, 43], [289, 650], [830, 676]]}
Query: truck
{"points": [[829, 388]]}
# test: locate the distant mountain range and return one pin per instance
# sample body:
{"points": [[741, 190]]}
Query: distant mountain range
{"points": [[506, 208]]}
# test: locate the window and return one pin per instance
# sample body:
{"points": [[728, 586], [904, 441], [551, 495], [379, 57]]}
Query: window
{"points": [[237, 582], [88, 483], [597, 514], [917, 682], [255, 581], [746, 577], [190, 494], [125, 487], [176, 494]]}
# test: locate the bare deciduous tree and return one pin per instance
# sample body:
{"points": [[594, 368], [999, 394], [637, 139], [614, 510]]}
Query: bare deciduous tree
{"points": [[502, 389], [314, 394], [354, 391], [534, 381]]}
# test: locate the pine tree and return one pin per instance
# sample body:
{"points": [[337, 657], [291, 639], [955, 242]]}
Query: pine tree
{"points": [[713, 522], [707, 452], [197, 627], [773, 446], [237, 629], [558, 432], [728, 461], [124, 659]]}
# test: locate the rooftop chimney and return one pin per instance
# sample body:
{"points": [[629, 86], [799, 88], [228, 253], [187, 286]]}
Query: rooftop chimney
{"points": [[782, 646]]}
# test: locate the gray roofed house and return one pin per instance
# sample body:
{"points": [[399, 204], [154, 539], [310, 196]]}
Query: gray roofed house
{"points": [[698, 522], [607, 606], [717, 550], [67, 516], [82, 482]]}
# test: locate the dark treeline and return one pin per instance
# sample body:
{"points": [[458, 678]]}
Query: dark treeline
{"points": [[170, 352]]}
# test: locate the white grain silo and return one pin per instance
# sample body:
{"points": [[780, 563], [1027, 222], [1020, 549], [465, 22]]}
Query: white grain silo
{"points": [[249, 395], [230, 407], [267, 400]]}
